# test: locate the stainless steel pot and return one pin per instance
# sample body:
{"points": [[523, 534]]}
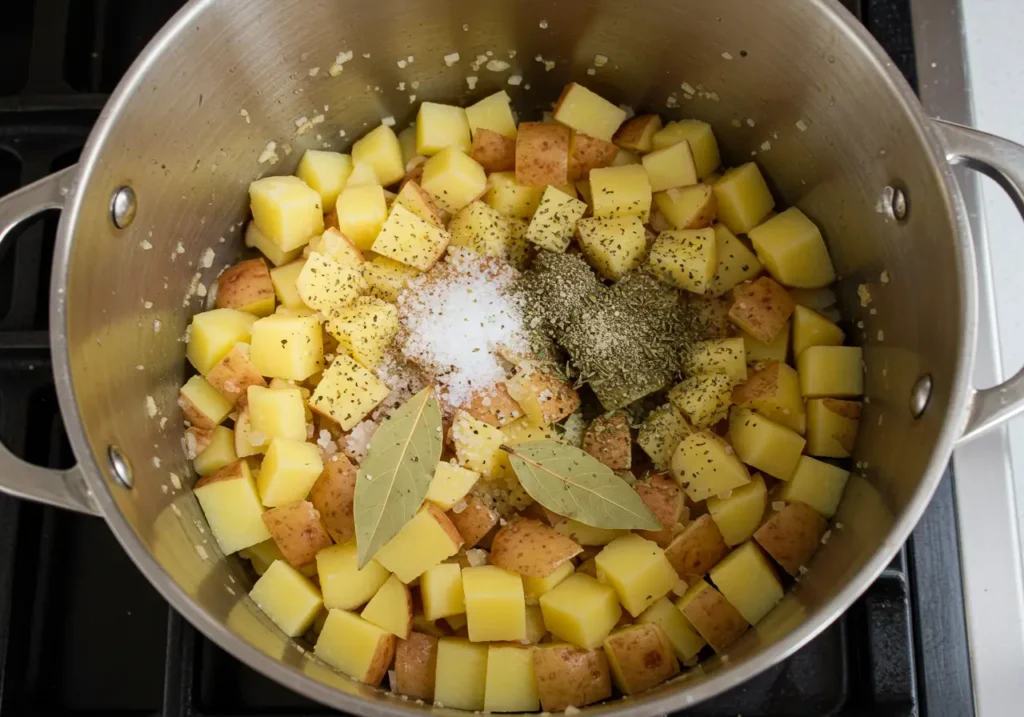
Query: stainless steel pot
{"points": [[798, 84]]}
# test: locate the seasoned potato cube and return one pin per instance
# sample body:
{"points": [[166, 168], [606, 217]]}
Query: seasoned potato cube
{"points": [[581, 610], [297, 531], [761, 308], [586, 534], [344, 585], [219, 452], [493, 113], [391, 608], [422, 543], [246, 286], [337, 247], [355, 646], [640, 657], [759, 352], [364, 328], [774, 391], [670, 167], [326, 285], [510, 198], [474, 521], [704, 399], [439, 127], [493, 152], [570, 677], [482, 229], [832, 427], [202, 405], [276, 413], [661, 432], [385, 278], [621, 192], [233, 375], [812, 329], [608, 439], [543, 396], [738, 515], [363, 175], [381, 150], [289, 347], [441, 591], [413, 197], [536, 587], [792, 250], [411, 240], [288, 471], [714, 618], [256, 239], [705, 465], [416, 666], [736, 263], [587, 153], [555, 220], [284, 278], [347, 392], [212, 334], [831, 371], [697, 549], [362, 211], [637, 134], [333, 495], [511, 685], [587, 112], [493, 406], [614, 247], [495, 604], [638, 570], [743, 198], [701, 139], [286, 210], [665, 499], [232, 507], [691, 207], [542, 154], [747, 580], [477, 444], [792, 536], [531, 548], [681, 636], [461, 674], [453, 179], [765, 444], [724, 356], [287, 597], [816, 483], [450, 484], [686, 259], [325, 172]]}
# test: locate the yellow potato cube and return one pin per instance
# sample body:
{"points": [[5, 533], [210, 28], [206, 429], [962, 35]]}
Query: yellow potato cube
{"points": [[288, 471], [347, 392], [704, 399], [812, 329], [638, 570], [792, 250], [441, 126], [289, 347], [385, 278], [363, 175], [661, 432], [286, 210], [774, 392], [685, 258], [511, 684], [536, 587], [816, 483], [450, 484], [355, 646], [765, 444], [245, 443], [422, 543], [461, 677], [587, 534], [495, 604], [284, 279], [580, 610], [624, 157], [831, 372], [219, 452], [736, 263], [453, 179], [413, 197], [670, 167], [325, 172], [411, 240], [212, 334], [508, 197], [685, 641], [345, 586], [232, 507], [441, 591], [364, 328], [407, 140], [482, 229], [535, 630], [621, 192], [493, 112], [201, 404], [691, 207], [361, 212], [380, 149], [326, 285], [258, 240], [391, 608], [831, 427], [701, 139], [746, 578], [614, 247], [588, 112], [477, 444], [725, 356], [457, 622], [758, 351], [637, 134], [817, 299], [555, 220], [334, 245], [739, 515], [705, 465], [287, 597], [743, 198], [276, 413]]}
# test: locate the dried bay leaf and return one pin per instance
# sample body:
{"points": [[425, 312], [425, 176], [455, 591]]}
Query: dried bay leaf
{"points": [[393, 480], [574, 484]]}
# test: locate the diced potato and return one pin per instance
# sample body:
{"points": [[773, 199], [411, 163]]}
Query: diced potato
{"points": [[554, 222], [347, 392], [362, 211], [297, 531], [245, 443], [684, 640], [326, 285], [473, 522], [714, 618], [670, 167], [289, 347], [363, 175], [587, 112], [494, 113], [774, 391], [385, 278], [381, 150], [344, 586], [585, 194], [364, 328], [288, 598], [277, 413], [792, 250], [233, 375], [614, 247], [722, 356], [776, 350], [441, 591], [624, 157], [202, 405], [831, 372], [284, 278], [461, 674], [705, 465], [621, 192], [832, 427], [246, 286], [531, 548], [738, 515], [816, 299], [495, 604], [736, 263], [493, 406], [493, 152], [687, 207], [477, 444], [482, 229], [232, 507], [450, 484], [262, 556], [542, 154], [510, 198], [761, 308], [641, 657], [542, 395], [638, 571], [333, 495], [697, 549], [665, 499], [416, 666], [747, 580], [743, 198], [422, 543], [258, 240], [685, 258], [661, 432], [537, 587], [325, 172], [637, 134], [608, 439], [355, 646], [816, 483], [765, 444], [336, 246], [414, 198], [458, 623], [453, 179], [586, 534], [441, 126], [570, 677], [411, 240], [792, 536], [511, 685], [704, 399], [219, 452], [286, 211], [288, 471], [391, 608], [407, 141], [812, 329], [701, 139], [581, 610], [212, 334]]}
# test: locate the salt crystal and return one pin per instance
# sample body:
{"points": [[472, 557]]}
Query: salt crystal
{"points": [[476, 557], [150, 407], [497, 65], [515, 80], [388, 121], [175, 481], [459, 507], [471, 81], [156, 462], [801, 125], [451, 59], [825, 537]]}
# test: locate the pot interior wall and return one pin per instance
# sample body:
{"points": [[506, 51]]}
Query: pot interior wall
{"points": [[789, 87]]}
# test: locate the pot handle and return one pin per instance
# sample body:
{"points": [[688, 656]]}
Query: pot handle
{"points": [[63, 489], [1003, 161]]}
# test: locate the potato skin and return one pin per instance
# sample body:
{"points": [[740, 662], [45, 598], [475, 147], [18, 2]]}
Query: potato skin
{"points": [[568, 676], [493, 152], [542, 154], [715, 619], [244, 284], [416, 665], [333, 494], [474, 521], [761, 308], [641, 658], [665, 499], [608, 439], [588, 153], [233, 375], [298, 532], [792, 536], [530, 548], [697, 549], [631, 135], [493, 406]]}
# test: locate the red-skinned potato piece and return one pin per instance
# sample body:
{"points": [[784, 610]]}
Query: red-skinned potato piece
{"points": [[493, 152], [245, 285], [792, 536], [333, 494], [298, 531], [665, 499], [608, 439], [697, 549], [761, 308], [530, 548], [233, 375], [588, 153], [568, 676], [637, 134], [493, 406], [542, 154], [416, 666], [474, 521]]}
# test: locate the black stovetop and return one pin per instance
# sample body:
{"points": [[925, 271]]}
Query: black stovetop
{"points": [[80, 628]]}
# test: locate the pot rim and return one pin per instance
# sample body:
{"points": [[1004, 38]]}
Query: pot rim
{"points": [[659, 702]]}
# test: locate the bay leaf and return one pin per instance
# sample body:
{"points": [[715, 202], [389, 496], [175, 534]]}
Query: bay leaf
{"points": [[574, 484], [392, 482]]}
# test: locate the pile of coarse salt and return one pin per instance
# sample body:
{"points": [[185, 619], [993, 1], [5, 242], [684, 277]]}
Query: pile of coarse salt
{"points": [[456, 317]]}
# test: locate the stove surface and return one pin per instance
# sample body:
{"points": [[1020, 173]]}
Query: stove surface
{"points": [[81, 630]]}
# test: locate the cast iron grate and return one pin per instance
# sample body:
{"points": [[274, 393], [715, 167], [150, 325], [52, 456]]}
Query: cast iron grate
{"points": [[80, 628]]}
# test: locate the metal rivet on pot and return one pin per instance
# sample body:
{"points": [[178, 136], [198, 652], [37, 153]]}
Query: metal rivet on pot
{"points": [[122, 206], [120, 466], [920, 395], [894, 203]]}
